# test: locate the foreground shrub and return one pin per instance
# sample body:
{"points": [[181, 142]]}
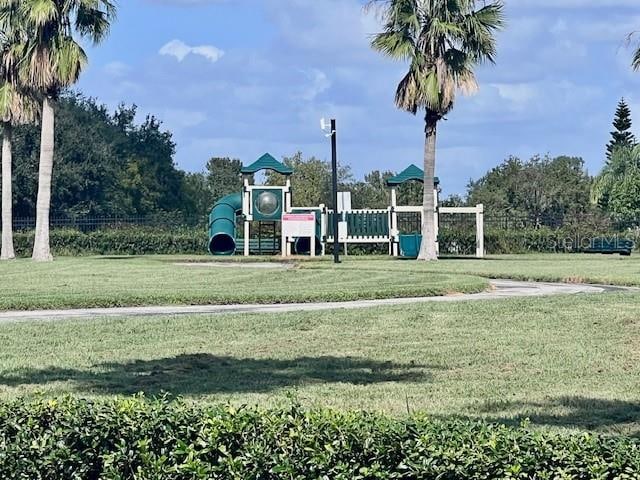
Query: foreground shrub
{"points": [[137, 439]]}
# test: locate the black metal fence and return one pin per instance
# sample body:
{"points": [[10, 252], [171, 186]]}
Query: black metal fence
{"points": [[509, 222], [90, 224], [408, 222]]}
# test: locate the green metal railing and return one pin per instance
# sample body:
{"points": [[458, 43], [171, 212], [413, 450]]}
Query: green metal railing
{"points": [[363, 223]]}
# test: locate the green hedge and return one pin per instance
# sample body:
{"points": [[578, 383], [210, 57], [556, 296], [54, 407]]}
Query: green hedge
{"points": [[124, 241], [526, 240], [136, 439], [144, 240]]}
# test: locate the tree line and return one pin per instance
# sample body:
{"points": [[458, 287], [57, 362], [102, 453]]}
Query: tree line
{"points": [[542, 189], [558, 190], [108, 165]]}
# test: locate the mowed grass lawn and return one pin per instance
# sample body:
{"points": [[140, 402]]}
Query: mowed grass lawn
{"points": [[159, 280], [573, 268], [151, 280], [570, 362], [567, 268]]}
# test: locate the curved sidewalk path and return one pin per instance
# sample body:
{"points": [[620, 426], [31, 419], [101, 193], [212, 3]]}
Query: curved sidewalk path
{"points": [[500, 289]]}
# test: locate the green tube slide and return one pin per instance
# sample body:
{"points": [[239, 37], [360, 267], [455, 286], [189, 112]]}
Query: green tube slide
{"points": [[222, 225]]}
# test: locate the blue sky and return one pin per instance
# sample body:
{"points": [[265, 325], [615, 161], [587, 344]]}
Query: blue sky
{"points": [[242, 77]]}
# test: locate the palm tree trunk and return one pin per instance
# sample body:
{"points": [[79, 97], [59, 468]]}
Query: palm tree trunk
{"points": [[41, 248], [428, 250], [7, 195]]}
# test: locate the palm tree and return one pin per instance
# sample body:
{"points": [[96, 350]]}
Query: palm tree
{"points": [[54, 61], [624, 163], [443, 40], [17, 106]]}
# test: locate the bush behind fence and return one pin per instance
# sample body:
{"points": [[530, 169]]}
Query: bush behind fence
{"points": [[89, 224], [180, 235], [119, 241], [529, 240]]}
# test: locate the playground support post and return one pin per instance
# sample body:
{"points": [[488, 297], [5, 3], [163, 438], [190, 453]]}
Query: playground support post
{"points": [[480, 252], [334, 168], [246, 209]]}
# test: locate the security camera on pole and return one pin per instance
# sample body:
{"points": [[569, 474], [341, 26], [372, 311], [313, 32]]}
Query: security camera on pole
{"points": [[330, 130]]}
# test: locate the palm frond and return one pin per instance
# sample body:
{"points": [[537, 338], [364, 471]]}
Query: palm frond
{"points": [[18, 102], [635, 62], [69, 59], [49, 58], [394, 44], [93, 19], [17, 107], [442, 40], [40, 12]]}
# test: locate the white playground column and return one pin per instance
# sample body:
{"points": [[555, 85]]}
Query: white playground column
{"points": [[247, 232], [286, 245], [246, 210], [480, 231], [287, 196], [478, 210], [393, 246], [436, 221], [323, 228]]}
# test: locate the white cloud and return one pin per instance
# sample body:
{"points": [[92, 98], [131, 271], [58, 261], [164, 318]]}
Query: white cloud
{"points": [[319, 84], [335, 29], [116, 69], [520, 95], [180, 50], [180, 118]]}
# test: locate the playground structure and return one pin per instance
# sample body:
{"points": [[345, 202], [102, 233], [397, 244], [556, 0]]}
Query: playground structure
{"points": [[271, 225]]}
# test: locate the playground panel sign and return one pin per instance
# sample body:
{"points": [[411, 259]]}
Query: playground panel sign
{"points": [[299, 225]]}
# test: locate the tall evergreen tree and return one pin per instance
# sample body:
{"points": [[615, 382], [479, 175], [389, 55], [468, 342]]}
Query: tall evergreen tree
{"points": [[622, 136]]}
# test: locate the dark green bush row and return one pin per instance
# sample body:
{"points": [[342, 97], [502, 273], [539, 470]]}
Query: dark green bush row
{"points": [[145, 240], [527, 240], [136, 439], [125, 241]]}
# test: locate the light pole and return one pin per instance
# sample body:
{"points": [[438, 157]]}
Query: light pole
{"points": [[334, 173]]}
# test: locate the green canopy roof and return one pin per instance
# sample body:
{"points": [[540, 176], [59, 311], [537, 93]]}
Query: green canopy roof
{"points": [[411, 173], [267, 162]]}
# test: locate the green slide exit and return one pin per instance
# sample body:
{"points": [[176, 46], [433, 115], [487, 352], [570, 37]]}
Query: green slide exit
{"points": [[222, 224]]}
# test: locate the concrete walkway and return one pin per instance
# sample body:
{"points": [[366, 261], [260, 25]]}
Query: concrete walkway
{"points": [[500, 289]]}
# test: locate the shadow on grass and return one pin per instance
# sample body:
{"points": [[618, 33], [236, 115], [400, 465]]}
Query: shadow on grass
{"points": [[202, 374], [569, 412], [462, 258], [126, 258]]}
